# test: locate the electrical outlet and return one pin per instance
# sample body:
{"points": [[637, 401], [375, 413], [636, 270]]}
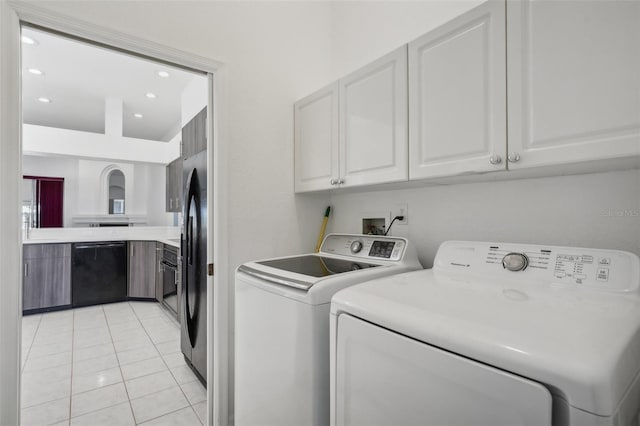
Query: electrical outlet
{"points": [[401, 210]]}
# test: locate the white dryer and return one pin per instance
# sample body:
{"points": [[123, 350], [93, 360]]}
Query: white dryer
{"points": [[282, 325], [494, 334]]}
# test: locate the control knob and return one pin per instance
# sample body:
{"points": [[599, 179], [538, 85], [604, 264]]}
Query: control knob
{"points": [[356, 246], [515, 262]]}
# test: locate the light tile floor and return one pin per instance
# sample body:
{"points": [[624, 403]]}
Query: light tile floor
{"points": [[115, 364]]}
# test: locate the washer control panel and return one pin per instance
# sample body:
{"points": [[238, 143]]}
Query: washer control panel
{"points": [[605, 269], [365, 246]]}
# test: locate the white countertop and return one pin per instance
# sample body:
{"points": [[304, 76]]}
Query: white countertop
{"points": [[169, 235]]}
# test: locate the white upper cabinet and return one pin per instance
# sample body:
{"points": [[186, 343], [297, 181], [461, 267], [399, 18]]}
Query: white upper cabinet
{"points": [[316, 140], [373, 122], [457, 96], [573, 81]]}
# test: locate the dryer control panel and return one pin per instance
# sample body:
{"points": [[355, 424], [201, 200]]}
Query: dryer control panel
{"points": [[372, 247], [604, 269]]}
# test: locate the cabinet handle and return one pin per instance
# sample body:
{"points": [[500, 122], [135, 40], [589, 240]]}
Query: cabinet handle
{"points": [[340, 181], [177, 205], [26, 269], [334, 181], [170, 203], [514, 157], [495, 159]]}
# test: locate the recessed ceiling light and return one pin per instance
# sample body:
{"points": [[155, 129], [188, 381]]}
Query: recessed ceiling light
{"points": [[150, 95], [163, 74], [28, 40], [137, 115], [35, 71], [44, 100]]}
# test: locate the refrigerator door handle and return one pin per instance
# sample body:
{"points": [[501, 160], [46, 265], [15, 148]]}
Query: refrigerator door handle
{"points": [[190, 196]]}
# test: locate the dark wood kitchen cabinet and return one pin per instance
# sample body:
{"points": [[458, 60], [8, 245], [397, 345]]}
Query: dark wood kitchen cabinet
{"points": [[194, 135], [46, 279], [142, 269], [174, 186]]}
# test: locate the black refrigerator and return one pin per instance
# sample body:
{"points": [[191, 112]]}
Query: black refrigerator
{"points": [[193, 254]]}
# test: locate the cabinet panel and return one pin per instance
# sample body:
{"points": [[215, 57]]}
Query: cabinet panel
{"points": [[373, 122], [173, 185], [142, 269], [194, 135], [46, 276], [316, 140], [573, 81], [457, 95]]}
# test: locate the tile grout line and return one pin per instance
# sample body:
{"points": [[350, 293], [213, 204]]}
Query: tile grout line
{"points": [[206, 400], [170, 412], [133, 415], [26, 358], [165, 363], [73, 332], [90, 390]]}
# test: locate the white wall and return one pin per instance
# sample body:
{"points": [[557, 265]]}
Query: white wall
{"points": [[194, 97], [43, 140], [596, 210], [363, 31], [84, 193]]}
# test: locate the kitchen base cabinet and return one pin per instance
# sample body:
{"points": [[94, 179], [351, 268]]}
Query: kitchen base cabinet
{"points": [[46, 283], [142, 269]]}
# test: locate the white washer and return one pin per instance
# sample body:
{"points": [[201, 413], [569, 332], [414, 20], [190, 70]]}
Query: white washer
{"points": [[282, 325], [494, 334]]}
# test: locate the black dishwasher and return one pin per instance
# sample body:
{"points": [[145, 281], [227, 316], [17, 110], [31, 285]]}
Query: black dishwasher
{"points": [[99, 273]]}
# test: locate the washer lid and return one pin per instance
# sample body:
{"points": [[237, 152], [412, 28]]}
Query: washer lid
{"points": [[582, 342]]}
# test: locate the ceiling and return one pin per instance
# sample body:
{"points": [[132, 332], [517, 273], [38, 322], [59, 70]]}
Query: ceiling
{"points": [[78, 77]]}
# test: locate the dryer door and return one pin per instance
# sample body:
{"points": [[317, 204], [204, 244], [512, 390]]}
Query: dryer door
{"points": [[384, 378]]}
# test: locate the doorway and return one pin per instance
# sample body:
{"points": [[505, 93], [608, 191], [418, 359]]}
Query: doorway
{"points": [[42, 201], [9, 16]]}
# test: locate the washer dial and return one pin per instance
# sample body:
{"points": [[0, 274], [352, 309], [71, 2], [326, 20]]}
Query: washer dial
{"points": [[515, 262], [356, 246]]}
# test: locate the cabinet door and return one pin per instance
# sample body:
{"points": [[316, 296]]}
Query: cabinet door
{"points": [[373, 122], [316, 140], [177, 185], [174, 186], [573, 81], [142, 269], [168, 207], [194, 135], [158, 269], [457, 96], [46, 276]]}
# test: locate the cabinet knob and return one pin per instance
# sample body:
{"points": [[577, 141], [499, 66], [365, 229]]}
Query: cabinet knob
{"points": [[333, 181], [340, 181], [514, 157], [495, 159]]}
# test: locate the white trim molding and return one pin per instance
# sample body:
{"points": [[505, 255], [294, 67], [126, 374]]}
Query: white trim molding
{"points": [[10, 223], [36, 15], [12, 14]]}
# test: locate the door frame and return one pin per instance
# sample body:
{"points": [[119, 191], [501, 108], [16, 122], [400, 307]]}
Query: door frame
{"points": [[12, 15]]}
